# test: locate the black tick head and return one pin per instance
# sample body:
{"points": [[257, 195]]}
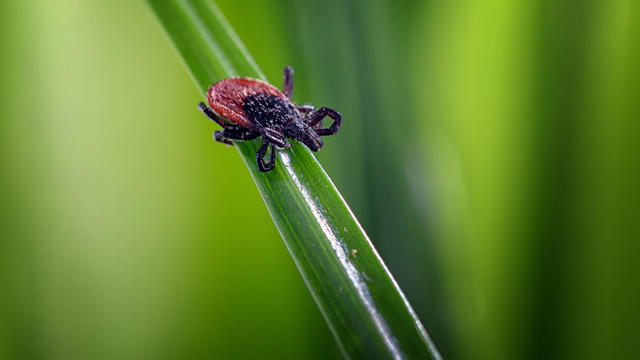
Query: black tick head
{"points": [[305, 134]]}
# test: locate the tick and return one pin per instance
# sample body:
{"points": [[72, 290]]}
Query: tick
{"points": [[255, 108]]}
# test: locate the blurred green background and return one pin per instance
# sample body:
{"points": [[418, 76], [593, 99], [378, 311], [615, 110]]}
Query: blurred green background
{"points": [[490, 149]]}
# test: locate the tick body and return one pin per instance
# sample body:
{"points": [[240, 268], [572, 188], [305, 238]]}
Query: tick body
{"points": [[255, 108]]}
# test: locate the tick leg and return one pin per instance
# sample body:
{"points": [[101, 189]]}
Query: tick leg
{"points": [[305, 108], [211, 115], [287, 88], [316, 117], [275, 138], [225, 135], [218, 136], [260, 156]]}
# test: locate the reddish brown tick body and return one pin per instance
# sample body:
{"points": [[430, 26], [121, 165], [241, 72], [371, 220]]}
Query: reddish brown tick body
{"points": [[255, 108]]}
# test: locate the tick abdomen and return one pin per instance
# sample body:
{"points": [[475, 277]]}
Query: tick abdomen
{"points": [[266, 110]]}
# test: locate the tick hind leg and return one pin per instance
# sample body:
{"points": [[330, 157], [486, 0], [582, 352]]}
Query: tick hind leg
{"points": [[260, 154], [211, 115], [225, 136], [287, 88], [314, 120]]}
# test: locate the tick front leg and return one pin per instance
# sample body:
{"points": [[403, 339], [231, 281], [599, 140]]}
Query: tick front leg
{"points": [[316, 117], [211, 115], [275, 138], [287, 88], [260, 157], [225, 135]]}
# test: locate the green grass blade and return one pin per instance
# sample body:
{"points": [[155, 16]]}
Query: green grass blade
{"points": [[364, 307]]}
